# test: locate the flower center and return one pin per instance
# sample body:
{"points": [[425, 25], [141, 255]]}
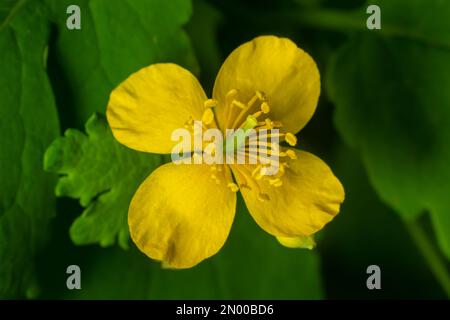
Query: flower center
{"points": [[252, 135]]}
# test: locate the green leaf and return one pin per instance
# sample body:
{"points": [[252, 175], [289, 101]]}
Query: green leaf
{"points": [[28, 124], [104, 175], [117, 38], [8, 8], [389, 87]]}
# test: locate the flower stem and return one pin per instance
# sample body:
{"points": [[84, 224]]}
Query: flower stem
{"points": [[432, 256]]}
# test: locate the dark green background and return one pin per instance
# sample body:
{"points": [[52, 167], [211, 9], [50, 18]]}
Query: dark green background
{"points": [[382, 124]]}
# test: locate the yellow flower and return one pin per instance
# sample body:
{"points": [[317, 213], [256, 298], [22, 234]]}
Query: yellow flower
{"points": [[182, 214]]}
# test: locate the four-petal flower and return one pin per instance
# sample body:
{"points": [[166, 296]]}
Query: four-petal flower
{"points": [[182, 214]]}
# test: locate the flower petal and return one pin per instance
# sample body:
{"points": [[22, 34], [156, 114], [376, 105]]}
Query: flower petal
{"points": [[144, 110], [309, 197], [276, 66], [180, 215], [300, 242]]}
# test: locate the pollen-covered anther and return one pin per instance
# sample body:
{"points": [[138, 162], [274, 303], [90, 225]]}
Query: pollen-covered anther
{"points": [[260, 95], [265, 108], [291, 139], [289, 153], [233, 186], [210, 103], [208, 116]]}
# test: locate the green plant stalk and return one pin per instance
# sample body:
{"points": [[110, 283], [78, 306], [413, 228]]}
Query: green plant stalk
{"points": [[432, 257]]}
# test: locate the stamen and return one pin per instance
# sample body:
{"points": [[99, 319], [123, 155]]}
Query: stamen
{"points": [[269, 124], [210, 103], [254, 186], [208, 116], [252, 101], [277, 124], [245, 115], [291, 139], [239, 104], [258, 95], [261, 96], [231, 95], [291, 154], [229, 99], [267, 135], [253, 155], [265, 108], [256, 170]]}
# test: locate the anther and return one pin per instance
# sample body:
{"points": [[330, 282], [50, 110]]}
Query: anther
{"points": [[210, 103], [265, 108], [231, 94], [260, 95], [269, 124], [291, 139], [208, 116], [291, 154]]}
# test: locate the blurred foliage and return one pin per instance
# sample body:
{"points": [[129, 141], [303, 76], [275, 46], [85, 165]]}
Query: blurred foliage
{"points": [[28, 124], [387, 87], [118, 37], [385, 90], [104, 175]]}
